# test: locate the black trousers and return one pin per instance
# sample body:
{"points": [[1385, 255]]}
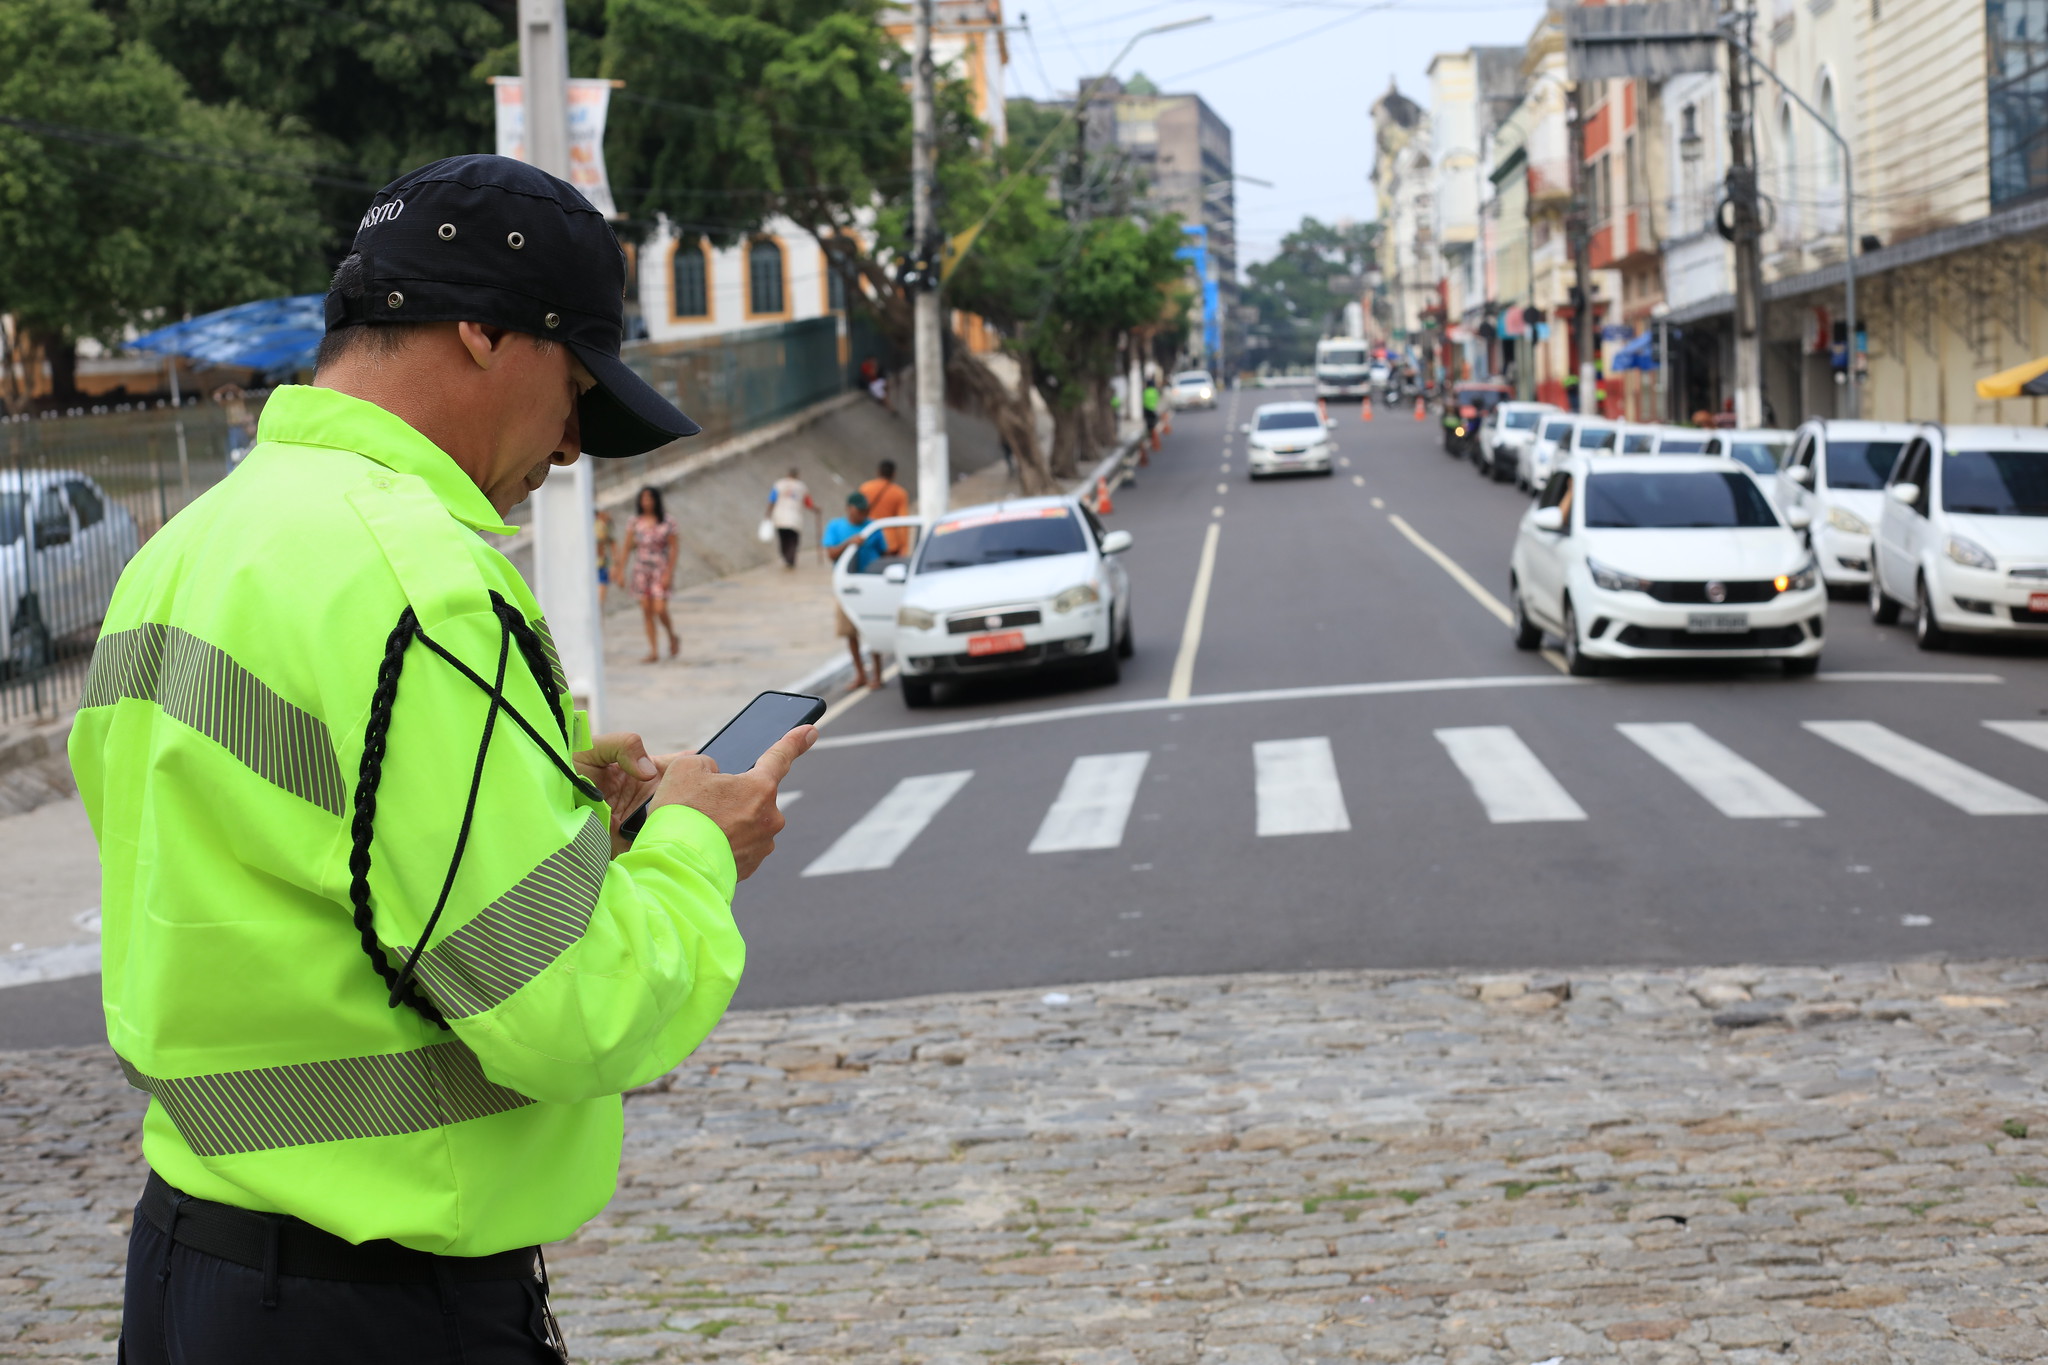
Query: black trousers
{"points": [[184, 1307], [788, 536]]}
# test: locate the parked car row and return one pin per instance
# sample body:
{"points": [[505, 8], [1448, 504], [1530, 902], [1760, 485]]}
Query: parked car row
{"points": [[63, 544], [1524, 441]]}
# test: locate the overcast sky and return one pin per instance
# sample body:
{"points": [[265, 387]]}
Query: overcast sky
{"points": [[1294, 79]]}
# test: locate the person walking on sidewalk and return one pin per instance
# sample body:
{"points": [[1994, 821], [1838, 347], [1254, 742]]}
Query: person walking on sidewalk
{"points": [[788, 500], [887, 498], [374, 946], [651, 549], [607, 539], [843, 536]]}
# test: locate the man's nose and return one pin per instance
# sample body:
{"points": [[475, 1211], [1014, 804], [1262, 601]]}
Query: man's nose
{"points": [[572, 438]]}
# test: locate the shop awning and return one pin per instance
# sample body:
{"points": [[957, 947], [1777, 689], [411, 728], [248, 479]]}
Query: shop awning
{"points": [[275, 336], [2021, 381]]}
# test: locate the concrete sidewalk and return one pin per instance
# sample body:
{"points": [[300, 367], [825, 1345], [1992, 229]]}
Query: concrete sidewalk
{"points": [[1731, 1167]]}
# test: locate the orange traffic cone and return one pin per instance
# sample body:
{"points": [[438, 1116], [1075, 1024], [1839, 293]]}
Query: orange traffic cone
{"points": [[1420, 415], [1365, 409], [1322, 411], [1103, 506]]}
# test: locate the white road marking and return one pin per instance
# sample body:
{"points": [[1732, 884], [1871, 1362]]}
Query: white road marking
{"points": [[784, 800], [878, 838], [1735, 786], [1094, 803], [1297, 786], [1928, 769], [1414, 687], [1918, 675], [1222, 488], [1509, 780], [1183, 680], [1455, 570], [1358, 480], [1216, 511], [2033, 732], [1377, 503], [1556, 660], [853, 699]]}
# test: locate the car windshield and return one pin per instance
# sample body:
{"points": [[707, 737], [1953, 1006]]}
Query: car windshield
{"points": [[1861, 464], [997, 537], [1519, 421], [1191, 381], [1288, 421], [11, 517], [1638, 442], [2001, 483], [1596, 438], [1681, 445], [1679, 499], [1557, 431], [1344, 357], [1762, 456]]}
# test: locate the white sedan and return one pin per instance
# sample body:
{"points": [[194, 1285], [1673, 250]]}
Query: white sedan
{"points": [[1964, 534], [998, 589], [1288, 438], [63, 544], [1193, 389], [1679, 558]]}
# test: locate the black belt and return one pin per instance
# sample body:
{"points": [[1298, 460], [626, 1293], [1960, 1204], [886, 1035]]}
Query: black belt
{"points": [[279, 1244]]}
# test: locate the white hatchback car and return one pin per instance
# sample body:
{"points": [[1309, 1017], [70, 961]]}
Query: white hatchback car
{"points": [[1964, 534], [1553, 432], [1505, 434], [1837, 472], [1288, 438], [1003, 588], [1193, 389], [1682, 440], [1680, 558], [63, 544]]}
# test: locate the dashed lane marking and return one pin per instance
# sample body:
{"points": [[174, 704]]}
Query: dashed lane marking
{"points": [[1183, 680]]}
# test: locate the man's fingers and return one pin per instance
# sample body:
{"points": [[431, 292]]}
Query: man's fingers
{"points": [[625, 749], [774, 764]]}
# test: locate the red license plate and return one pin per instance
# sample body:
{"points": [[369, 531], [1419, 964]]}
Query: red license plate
{"points": [[1004, 642], [2037, 601]]}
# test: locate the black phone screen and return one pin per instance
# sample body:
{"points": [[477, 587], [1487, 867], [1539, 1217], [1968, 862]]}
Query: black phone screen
{"points": [[747, 736], [767, 718]]}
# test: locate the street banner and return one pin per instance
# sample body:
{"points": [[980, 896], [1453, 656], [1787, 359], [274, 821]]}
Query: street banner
{"points": [[589, 101]]}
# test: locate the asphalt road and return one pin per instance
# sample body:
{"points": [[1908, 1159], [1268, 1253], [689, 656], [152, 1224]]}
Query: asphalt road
{"points": [[1355, 671], [1328, 626]]}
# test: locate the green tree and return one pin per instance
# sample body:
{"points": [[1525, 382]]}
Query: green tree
{"points": [[1301, 292], [123, 199]]}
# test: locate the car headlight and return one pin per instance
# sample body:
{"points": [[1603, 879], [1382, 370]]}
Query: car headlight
{"points": [[1800, 579], [1970, 553], [1078, 596], [1842, 519], [915, 618], [1614, 580]]}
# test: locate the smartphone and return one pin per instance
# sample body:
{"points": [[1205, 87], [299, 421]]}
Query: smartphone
{"points": [[747, 736]]}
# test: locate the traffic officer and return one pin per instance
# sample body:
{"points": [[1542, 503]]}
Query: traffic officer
{"points": [[372, 943]]}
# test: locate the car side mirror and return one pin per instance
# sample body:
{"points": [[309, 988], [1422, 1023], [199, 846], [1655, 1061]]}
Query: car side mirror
{"points": [[1329, 424], [1549, 519], [1904, 494], [1801, 474], [1798, 518], [1116, 542], [896, 573]]}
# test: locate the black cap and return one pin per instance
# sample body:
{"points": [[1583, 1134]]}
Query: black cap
{"points": [[490, 239]]}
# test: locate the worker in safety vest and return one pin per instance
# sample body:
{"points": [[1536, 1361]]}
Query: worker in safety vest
{"points": [[372, 942]]}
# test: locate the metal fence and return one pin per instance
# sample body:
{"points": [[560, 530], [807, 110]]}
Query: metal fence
{"points": [[79, 495]]}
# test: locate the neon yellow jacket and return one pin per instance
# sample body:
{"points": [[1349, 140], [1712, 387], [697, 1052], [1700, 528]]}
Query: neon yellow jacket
{"points": [[217, 749]]}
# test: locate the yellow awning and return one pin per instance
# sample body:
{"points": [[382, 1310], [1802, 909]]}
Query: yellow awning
{"points": [[2017, 382]]}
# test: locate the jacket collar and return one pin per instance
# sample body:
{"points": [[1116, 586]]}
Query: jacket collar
{"points": [[299, 414]]}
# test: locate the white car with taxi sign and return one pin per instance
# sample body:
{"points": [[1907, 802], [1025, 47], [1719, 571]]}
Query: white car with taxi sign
{"points": [[996, 590]]}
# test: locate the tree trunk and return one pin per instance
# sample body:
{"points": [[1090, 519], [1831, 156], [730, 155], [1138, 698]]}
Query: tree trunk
{"points": [[971, 383], [62, 353], [1069, 438]]}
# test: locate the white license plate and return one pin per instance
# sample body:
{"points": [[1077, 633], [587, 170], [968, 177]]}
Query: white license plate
{"points": [[1717, 622]]}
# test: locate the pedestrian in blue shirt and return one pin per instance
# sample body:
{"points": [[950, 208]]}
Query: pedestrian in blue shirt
{"points": [[843, 534]]}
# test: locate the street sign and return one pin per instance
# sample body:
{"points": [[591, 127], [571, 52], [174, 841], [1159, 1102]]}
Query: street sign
{"points": [[1652, 41]]}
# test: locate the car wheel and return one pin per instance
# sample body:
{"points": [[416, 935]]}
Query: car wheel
{"points": [[1125, 647], [1927, 632], [1576, 661], [1109, 667], [1528, 635], [29, 642], [1802, 667], [917, 692], [1883, 610]]}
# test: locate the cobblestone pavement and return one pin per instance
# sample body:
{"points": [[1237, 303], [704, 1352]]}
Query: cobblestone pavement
{"points": [[1725, 1166]]}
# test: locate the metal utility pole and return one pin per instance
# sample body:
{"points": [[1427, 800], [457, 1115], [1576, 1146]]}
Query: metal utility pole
{"points": [[1743, 226], [934, 455], [564, 541], [1580, 231]]}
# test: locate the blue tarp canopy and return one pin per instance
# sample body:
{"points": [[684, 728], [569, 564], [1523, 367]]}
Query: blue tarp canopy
{"points": [[1639, 354], [272, 335]]}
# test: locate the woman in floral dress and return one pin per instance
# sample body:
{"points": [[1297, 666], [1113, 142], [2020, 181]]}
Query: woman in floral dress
{"points": [[651, 556]]}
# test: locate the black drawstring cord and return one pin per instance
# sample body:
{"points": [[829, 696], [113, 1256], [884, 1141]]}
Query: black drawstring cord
{"points": [[403, 986]]}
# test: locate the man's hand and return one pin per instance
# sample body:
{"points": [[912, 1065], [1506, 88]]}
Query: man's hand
{"points": [[619, 766], [740, 804]]}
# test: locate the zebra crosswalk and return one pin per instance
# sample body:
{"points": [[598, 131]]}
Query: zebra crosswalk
{"points": [[1297, 789]]}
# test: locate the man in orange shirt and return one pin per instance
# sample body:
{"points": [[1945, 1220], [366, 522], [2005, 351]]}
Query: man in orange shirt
{"points": [[886, 498]]}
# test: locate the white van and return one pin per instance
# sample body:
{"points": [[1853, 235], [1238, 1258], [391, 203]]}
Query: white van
{"points": [[1343, 368]]}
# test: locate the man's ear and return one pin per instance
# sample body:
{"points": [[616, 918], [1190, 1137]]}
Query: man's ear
{"points": [[484, 341]]}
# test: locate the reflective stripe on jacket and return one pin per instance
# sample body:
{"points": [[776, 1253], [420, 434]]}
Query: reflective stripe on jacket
{"points": [[217, 750]]}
